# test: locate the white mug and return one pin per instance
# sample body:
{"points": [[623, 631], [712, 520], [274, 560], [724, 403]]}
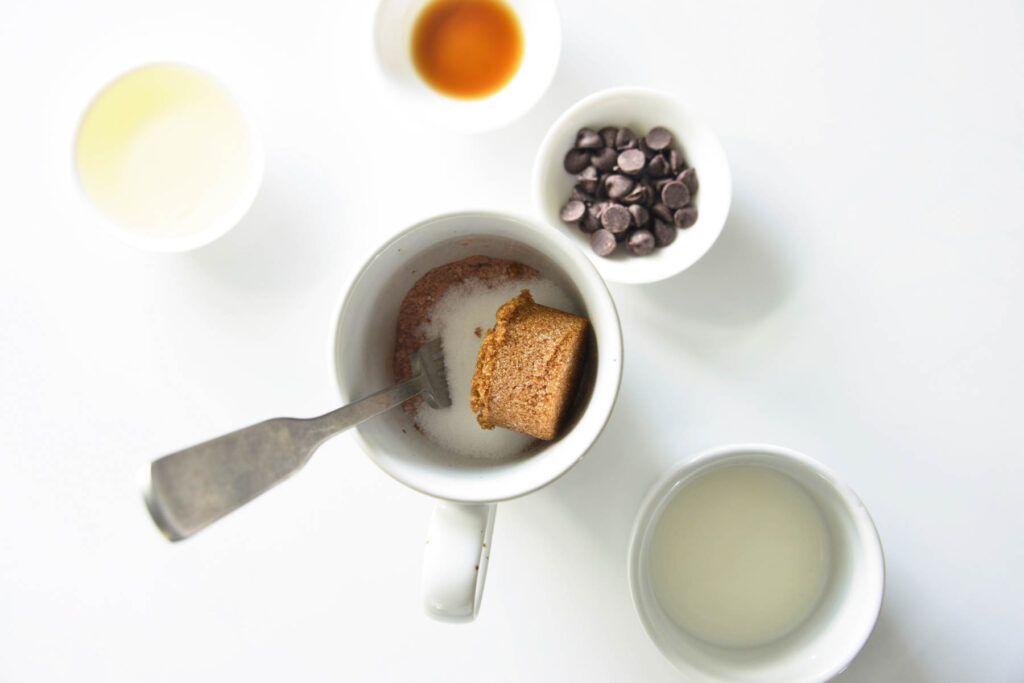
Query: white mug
{"points": [[826, 642], [459, 538]]}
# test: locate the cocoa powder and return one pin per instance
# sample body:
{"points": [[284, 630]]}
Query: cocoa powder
{"points": [[419, 301]]}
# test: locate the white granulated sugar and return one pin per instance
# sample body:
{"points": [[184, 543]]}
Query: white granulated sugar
{"points": [[464, 308]]}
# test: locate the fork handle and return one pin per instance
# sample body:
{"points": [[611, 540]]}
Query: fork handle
{"points": [[194, 487], [324, 427]]}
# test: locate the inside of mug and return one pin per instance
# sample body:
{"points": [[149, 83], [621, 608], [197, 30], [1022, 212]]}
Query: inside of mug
{"points": [[365, 348], [812, 649]]}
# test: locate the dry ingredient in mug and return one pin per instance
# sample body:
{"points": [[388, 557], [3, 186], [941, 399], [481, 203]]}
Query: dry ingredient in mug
{"points": [[629, 190], [457, 302]]}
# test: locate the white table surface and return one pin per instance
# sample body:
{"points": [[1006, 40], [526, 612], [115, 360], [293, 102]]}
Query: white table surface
{"points": [[863, 305]]}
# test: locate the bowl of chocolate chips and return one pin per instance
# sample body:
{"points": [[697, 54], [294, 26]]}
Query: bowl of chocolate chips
{"points": [[637, 180]]}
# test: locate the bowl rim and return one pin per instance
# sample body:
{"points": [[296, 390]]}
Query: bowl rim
{"points": [[613, 356], [659, 493], [547, 156], [178, 243]]}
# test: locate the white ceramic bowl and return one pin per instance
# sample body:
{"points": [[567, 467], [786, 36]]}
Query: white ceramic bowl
{"points": [[542, 33], [826, 642], [216, 228], [640, 109]]}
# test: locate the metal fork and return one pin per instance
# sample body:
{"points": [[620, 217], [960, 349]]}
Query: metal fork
{"points": [[187, 490]]}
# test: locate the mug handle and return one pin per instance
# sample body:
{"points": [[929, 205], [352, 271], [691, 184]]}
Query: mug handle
{"points": [[455, 560]]}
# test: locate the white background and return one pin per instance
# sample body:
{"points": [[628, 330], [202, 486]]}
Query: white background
{"points": [[863, 305]]}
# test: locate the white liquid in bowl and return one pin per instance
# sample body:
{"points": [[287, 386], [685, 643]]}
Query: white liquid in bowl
{"points": [[164, 151], [740, 556]]}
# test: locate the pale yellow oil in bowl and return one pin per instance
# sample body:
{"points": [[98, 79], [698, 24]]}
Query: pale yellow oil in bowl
{"points": [[165, 152]]}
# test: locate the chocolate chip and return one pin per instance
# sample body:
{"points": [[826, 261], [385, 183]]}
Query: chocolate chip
{"points": [[685, 217], [615, 218], [573, 211], [587, 180], [631, 161], [603, 243], [640, 216], [605, 159], [588, 139], [597, 208], [608, 134], [658, 166], [664, 233], [640, 243], [675, 195], [618, 186], [579, 194], [589, 223], [662, 212], [576, 160], [659, 138], [675, 161], [642, 144], [689, 178], [636, 195], [625, 139], [649, 194]]}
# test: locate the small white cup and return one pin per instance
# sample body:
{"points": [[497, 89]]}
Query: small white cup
{"points": [[542, 36], [826, 642], [455, 560], [640, 109], [217, 227]]}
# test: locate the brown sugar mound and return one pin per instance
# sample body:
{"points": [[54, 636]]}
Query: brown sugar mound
{"points": [[528, 368]]}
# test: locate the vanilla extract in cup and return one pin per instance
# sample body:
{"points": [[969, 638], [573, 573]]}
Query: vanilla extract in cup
{"points": [[467, 49]]}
